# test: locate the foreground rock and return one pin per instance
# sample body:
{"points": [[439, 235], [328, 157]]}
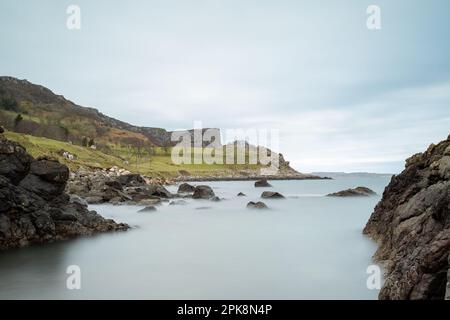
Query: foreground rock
{"points": [[203, 192], [412, 226], [256, 205], [262, 183], [271, 195], [33, 205], [356, 192]]}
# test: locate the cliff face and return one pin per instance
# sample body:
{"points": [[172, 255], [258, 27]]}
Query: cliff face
{"points": [[33, 205], [412, 226]]}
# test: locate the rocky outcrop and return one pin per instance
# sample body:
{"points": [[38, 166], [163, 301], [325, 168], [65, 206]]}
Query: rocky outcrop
{"points": [[262, 183], [256, 205], [272, 195], [412, 226], [33, 205], [203, 192], [104, 186], [356, 192]]}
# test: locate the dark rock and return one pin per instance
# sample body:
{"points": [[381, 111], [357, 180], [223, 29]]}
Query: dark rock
{"points": [[240, 194], [262, 183], [132, 179], [2, 130], [203, 192], [271, 195], [356, 192], [33, 207], [256, 205], [411, 224], [215, 199], [148, 209], [15, 162], [186, 188], [114, 184]]}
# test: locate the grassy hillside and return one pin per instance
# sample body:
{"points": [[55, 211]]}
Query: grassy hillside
{"points": [[156, 163]]}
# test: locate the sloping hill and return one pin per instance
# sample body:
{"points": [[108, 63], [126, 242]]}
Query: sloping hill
{"points": [[33, 109]]}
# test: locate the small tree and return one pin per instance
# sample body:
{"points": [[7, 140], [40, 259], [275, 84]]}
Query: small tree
{"points": [[17, 120], [84, 142]]}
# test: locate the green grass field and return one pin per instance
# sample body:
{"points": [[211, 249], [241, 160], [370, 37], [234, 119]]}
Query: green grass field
{"points": [[154, 163]]}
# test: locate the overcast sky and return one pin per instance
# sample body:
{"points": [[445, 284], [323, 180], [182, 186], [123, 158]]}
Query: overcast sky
{"points": [[345, 98]]}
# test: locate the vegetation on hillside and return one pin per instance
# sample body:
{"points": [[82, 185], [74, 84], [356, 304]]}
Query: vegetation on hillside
{"points": [[154, 161]]}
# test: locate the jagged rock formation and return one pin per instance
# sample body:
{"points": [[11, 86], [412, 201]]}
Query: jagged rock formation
{"points": [[33, 205], [412, 226]]}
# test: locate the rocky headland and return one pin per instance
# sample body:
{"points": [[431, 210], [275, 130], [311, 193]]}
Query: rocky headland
{"points": [[412, 227], [33, 205]]}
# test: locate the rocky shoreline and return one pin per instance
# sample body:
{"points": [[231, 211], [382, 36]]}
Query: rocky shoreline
{"points": [[412, 227], [34, 208]]}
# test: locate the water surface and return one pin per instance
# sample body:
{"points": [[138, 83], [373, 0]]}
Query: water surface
{"points": [[306, 246]]}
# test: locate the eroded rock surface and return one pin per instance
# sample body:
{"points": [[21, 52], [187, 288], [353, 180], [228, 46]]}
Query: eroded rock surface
{"points": [[412, 226]]}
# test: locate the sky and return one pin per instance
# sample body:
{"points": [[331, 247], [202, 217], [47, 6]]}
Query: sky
{"points": [[342, 97]]}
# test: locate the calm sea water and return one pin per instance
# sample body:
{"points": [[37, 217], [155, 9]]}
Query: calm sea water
{"points": [[306, 246]]}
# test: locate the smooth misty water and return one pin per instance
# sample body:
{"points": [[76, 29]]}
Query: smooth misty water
{"points": [[305, 247]]}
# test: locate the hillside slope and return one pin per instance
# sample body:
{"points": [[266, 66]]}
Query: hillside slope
{"points": [[45, 114]]}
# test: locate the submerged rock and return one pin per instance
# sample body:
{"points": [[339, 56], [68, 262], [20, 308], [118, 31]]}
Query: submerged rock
{"points": [[33, 206], [256, 205], [271, 195], [203, 192], [411, 224], [178, 202], [148, 209], [262, 183], [356, 192]]}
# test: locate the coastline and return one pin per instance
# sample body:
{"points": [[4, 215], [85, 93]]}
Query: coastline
{"points": [[246, 178]]}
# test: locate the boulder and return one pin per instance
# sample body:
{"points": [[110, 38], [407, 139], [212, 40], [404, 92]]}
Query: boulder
{"points": [[356, 192], [203, 192], [271, 195], [256, 205], [186, 188], [240, 194], [262, 183]]}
